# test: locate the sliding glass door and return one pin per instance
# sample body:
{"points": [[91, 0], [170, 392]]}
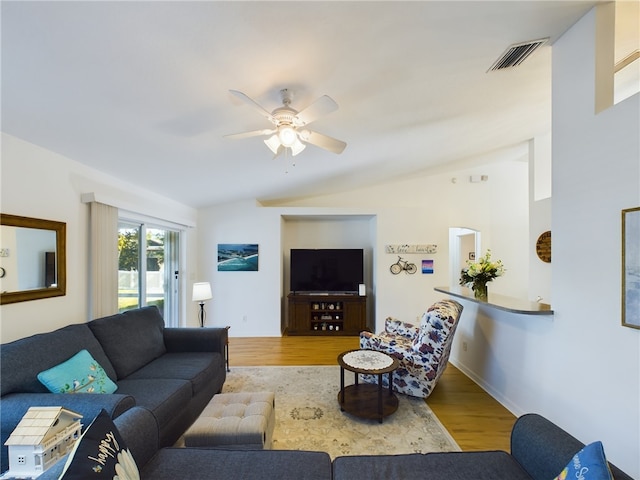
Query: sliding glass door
{"points": [[148, 266]]}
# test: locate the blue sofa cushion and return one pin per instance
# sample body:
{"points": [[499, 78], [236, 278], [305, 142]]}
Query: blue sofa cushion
{"points": [[101, 453], [22, 360], [434, 466], [197, 367], [588, 464], [80, 374], [165, 398], [131, 339], [173, 463]]}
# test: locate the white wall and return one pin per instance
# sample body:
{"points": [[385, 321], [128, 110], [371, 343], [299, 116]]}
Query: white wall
{"points": [[580, 368], [41, 184], [414, 211], [595, 389], [421, 210], [249, 302]]}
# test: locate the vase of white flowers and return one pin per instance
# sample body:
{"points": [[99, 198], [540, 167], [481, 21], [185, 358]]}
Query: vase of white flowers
{"points": [[480, 289], [478, 274]]}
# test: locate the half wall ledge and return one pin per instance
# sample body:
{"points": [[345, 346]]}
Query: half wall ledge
{"points": [[501, 302]]}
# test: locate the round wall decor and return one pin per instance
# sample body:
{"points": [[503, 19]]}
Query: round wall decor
{"points": [[543, 247]]}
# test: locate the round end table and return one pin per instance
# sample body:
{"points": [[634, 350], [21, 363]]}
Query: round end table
{"points": [[367, 400]]}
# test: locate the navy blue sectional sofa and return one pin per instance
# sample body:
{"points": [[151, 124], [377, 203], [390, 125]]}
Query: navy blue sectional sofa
{"points": [[539, 451], [170, 372]]}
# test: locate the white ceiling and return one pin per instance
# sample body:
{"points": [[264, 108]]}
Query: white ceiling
{"points": [[139, 90]]}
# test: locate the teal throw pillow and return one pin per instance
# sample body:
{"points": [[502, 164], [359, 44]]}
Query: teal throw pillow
{"points": [[588, 464], [100, 453], [80, 374]]}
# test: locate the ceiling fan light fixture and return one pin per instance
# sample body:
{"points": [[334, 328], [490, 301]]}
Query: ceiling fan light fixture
{"points": [[297, 147], [273, 142], [287, 135]]}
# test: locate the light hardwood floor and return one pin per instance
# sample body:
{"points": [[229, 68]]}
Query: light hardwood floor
{"points": [[474, 419]]}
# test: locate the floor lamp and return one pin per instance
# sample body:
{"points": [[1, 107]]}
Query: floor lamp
{"points": [[201, 292]]}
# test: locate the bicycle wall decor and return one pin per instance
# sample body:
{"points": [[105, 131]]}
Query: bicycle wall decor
{"points": [[403, 265]]}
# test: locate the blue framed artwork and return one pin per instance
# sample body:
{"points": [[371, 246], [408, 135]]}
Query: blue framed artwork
{"points": [[237, 257], [631, 267], [427, 266]]}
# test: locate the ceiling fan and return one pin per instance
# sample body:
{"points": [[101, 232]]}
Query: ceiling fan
{"points": [[289, 131]]}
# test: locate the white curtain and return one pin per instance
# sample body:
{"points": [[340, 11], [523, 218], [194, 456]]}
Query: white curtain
{"points": [[103, 275]]}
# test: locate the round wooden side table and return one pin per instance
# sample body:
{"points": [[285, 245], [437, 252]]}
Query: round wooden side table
{"points": [[367, 400]]}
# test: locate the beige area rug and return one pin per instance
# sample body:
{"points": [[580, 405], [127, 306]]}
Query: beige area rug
{"points": [[308, 416]]}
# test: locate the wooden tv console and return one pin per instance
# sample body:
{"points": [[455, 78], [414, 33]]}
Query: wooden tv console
{"points": [[326, 314]]}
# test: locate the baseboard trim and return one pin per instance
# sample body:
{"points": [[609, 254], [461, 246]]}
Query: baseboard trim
{"points": [[496, 395]]}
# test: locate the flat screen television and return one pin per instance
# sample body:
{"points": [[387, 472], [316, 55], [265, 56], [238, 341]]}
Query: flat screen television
{"points": [[326, 270]]}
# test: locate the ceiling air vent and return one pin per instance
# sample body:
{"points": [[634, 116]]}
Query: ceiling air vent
{"points": [[516, 54]]}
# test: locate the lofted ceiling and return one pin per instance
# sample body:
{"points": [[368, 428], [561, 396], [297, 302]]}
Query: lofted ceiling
{"points": [[140, 90]]}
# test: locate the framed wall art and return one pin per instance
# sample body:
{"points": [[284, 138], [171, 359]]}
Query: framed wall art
{"points": [[427, 266], [237, 257], [631, 267]]}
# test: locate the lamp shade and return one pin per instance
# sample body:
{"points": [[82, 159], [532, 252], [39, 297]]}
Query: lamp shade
{"points": [[201, 292]]}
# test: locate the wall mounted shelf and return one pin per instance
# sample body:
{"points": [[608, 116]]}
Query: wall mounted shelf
{"points": [[501, 302]]}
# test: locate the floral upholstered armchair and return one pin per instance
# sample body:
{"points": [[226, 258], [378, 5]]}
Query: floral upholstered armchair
{"points": [[423, 350]]}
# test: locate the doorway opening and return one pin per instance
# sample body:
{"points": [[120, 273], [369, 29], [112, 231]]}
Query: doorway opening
{"points": [[464, 245]]}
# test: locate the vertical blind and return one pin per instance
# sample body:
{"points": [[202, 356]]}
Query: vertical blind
{"points": [[103, 289]]}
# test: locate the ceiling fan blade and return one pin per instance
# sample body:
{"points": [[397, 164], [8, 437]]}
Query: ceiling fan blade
{"points": [[254, 133], [252, 103], [322, 106], [323, 141]]}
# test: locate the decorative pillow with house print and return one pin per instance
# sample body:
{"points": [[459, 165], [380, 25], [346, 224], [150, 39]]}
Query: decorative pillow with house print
{"points": [[80, 374], [100, 453]]}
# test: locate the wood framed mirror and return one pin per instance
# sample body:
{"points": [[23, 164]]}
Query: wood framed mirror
{"points": [[33, 260]]}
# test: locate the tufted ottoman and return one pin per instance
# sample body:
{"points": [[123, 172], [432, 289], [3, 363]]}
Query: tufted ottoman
{"points": [[235, 420]]}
